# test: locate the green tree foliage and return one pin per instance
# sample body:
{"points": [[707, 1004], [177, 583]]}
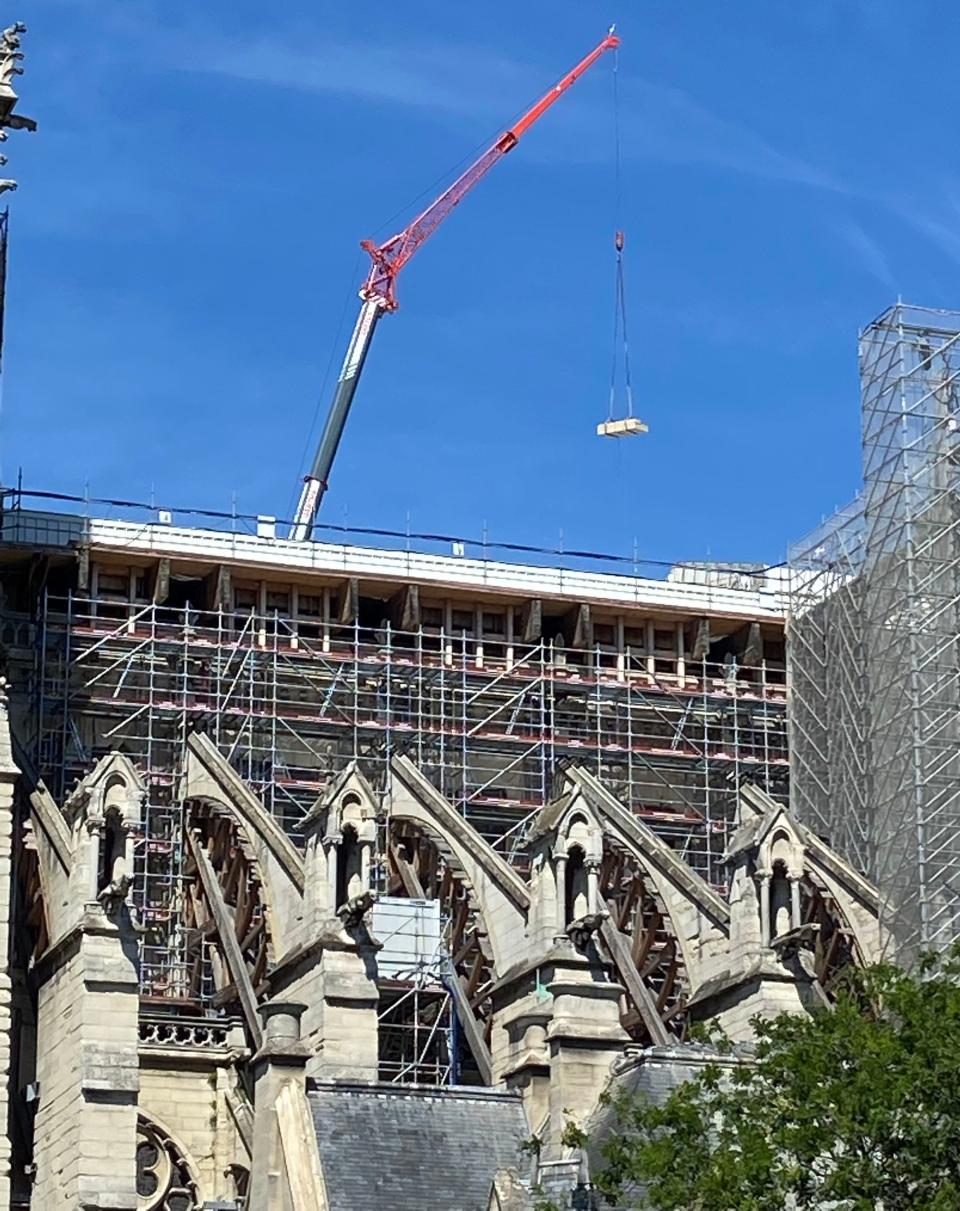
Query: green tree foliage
{"points": [[854, 1109]]}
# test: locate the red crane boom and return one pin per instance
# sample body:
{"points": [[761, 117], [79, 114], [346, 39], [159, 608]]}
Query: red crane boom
{"points": [[379, 290], [389, 258]]}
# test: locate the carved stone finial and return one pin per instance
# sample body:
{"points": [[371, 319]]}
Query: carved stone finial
{"points": [[10, 52], [10, 58]]}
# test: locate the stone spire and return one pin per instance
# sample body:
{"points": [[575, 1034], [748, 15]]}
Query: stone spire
{"points": [[10, 58]]}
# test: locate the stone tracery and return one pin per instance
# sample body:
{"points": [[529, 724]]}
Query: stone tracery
{"points": [[164, 1181]]}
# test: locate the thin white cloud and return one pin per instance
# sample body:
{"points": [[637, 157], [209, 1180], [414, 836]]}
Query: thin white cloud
{"points": [[668, 124], [433, 77], [935, 216], [659, 123], [868, 252]]}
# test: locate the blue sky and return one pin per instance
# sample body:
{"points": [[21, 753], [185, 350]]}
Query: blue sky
{"points": [[184, 257]]}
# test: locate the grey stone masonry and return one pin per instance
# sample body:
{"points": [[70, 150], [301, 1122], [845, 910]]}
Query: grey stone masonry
{"points": [[88, 1069], [8, 776]]}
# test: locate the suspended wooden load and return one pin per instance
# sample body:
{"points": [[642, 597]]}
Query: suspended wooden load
{"points": [[629, 425], [626, 427]]}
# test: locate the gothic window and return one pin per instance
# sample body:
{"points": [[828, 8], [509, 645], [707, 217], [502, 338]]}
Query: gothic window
{"points": [[577, 903], [349, 874], [780, 922], [111, 851], [163, 1179]]}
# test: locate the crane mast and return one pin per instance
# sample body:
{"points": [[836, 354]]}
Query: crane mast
{"points": [[378, 293]]}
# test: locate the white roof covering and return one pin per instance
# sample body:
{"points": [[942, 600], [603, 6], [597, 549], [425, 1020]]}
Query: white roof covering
{"points": [[765, 601]]}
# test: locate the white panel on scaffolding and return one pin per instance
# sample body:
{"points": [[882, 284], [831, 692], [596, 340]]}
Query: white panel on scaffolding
{"points": [[410, 933]]}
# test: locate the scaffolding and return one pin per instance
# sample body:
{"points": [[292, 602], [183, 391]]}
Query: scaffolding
{"points": [[489, 725], [874, 637], [827, 688]]}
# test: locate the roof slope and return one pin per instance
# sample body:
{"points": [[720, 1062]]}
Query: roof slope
{"points": [[414, 1149]]}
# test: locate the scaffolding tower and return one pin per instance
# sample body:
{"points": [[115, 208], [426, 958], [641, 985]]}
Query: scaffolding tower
{"points": [[874, 637]]}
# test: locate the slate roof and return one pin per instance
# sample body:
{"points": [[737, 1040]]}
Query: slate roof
{"points": [[654, 1075], [414, 1149]]}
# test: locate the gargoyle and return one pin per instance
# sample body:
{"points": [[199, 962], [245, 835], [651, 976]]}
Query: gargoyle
{"points": [[582, 930], [353, 911], [114, 895]]}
